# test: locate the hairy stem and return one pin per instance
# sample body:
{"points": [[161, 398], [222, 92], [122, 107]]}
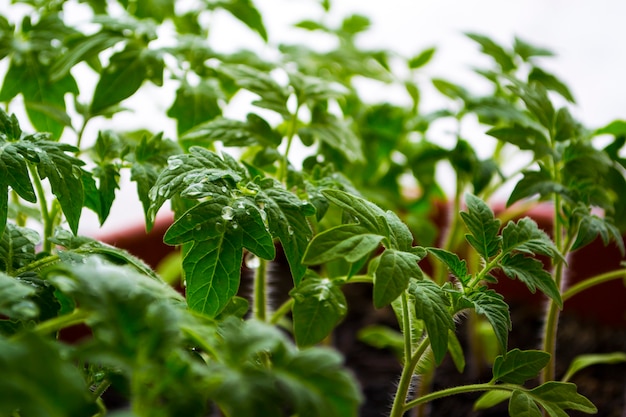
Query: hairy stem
{"points": [[463, 389], [48, 220], [593, 281], [410, 362], [260, 291]]}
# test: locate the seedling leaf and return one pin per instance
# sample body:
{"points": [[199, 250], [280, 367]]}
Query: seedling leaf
{"points": [[492, 305], [483, 227], [518, 366], [392, 275], [432, 306]]}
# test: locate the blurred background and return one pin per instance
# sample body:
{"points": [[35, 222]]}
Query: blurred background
{"points": [[588, 39]]}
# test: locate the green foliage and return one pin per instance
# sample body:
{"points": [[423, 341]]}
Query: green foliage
{"points": [[344, 217]]}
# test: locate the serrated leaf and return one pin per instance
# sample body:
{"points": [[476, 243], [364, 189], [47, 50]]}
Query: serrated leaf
{"points": [[399, 233], [64, 173], [272, 95], [492, 305], [524, 137], [518, 366], [498, 53], [17, 247], [522, 405], [432, 306], [319, 305], [531, 272], [313, 89], [392, 275], [126, 72], [255, 130], [287, 221], [533, 183], [483, 227], [556, 397], [581, 362], [592, 226], [456, 266], [347, 241], [194, 105], [44, 99], [565, 127], [15, 300], [550, 82], [538, 103], [365, 212], [212, 272], [336, 133], [526, 237], [247, 13], [527, 51]]}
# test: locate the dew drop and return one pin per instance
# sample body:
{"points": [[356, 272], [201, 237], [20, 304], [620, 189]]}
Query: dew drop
{"points": [[252, 261], [197, 228], [224, 189], [235, 225], [290, 230], [174, 162], [227, 213]]}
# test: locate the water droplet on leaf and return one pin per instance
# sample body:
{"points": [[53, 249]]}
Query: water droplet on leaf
{"points": [[227, 213], [252, 261]]}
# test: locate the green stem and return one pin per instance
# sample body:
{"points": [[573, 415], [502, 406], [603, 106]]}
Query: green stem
{"points": [[290, 135], [281, 311], [260, 291], [593, 281], [450, 242], [55, 324], [406, 377], [48, 224], [100, 389], [463, 389]]}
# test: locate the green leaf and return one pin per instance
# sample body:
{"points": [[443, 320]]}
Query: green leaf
{"points": [[15, 302], [526, 237], [615, 128], [483, 227], [17, 247], [158, 10], [556, 397], [247, 13], [531, 272], [527, 51], [44, 99], [432, 306], [126, 72], [272, 95], [287, 221], [64, 173], [392, 275], [522, 405], [550, 82], [524, 137], [492, 305], [255, 130], [456, 266], [195, 105], [399, 233], [365, 213], [518, 366], [565, 127], [491, 398], [538, 103], [212, 272], [422, 58], [592, 226], [533, 183], [354, 24], [39, 381], [450, 90], [382, 337], [319, 305], [581, 362], [336, 133], [313, 89], [347, 241], [502, 57]]}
